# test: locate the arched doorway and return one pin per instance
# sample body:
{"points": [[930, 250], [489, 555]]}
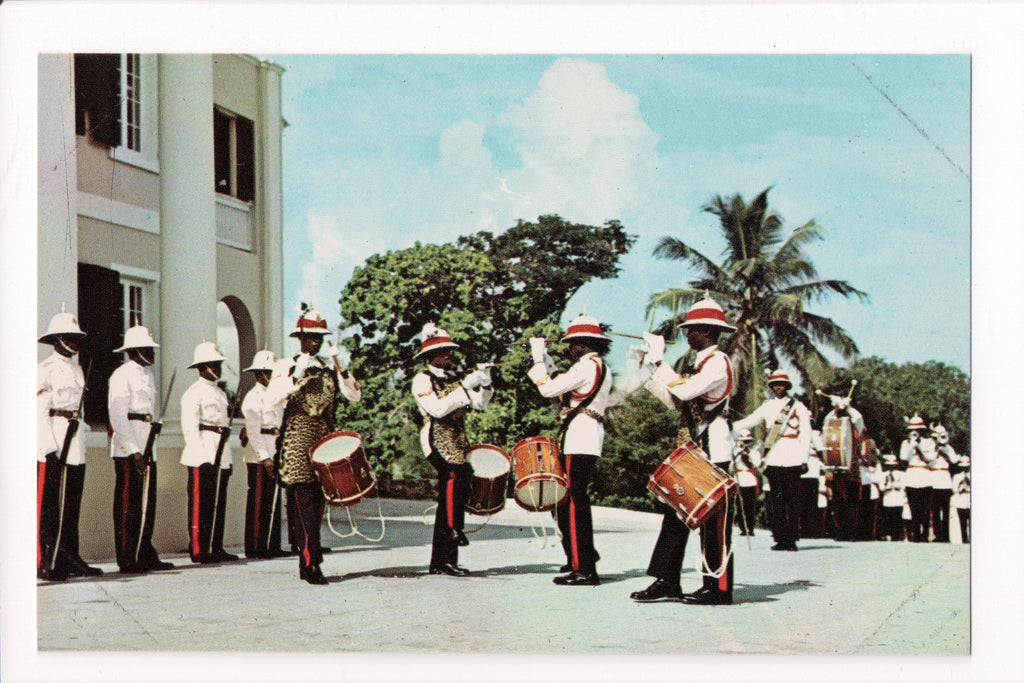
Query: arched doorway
{"points": [[236, 339]]}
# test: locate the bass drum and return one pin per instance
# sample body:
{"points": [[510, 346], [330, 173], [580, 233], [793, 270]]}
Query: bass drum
{"points": [[837, 438]]}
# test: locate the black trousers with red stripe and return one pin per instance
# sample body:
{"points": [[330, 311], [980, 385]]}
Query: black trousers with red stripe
{"points": [[715, 543], [262, 533], [48, 514], [206, 530], [574, 519], [130, 551], [307, 500], [453, 489]]}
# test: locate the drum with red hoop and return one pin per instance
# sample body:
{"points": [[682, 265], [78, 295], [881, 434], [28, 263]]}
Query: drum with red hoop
{"points": [[540, 478], [491, 467], [687, 482], [342, 467], [837, 435]]}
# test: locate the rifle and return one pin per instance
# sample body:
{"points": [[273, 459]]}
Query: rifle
{"points": [[147, 458], [69, 436], [224, 435]]}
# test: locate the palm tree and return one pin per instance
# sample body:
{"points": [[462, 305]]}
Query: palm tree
{"points": [[763, 284]]}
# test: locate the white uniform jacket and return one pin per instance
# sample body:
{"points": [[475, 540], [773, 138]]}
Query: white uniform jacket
{"points": [[939, 467], [872, 476], [262, 422], [60, 383], [712, 383], [746, 475], [793, 447], [584, 435], [917, 458], [131, 389], [813, 467], [282, 380], [962, 490], [434, 407], [893, 495], [204, 403]]}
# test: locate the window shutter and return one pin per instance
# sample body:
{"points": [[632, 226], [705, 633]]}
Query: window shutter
{"points": [[100, 315], [246, 159], [98, 95]]}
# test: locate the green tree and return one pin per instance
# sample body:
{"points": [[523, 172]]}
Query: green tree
{"points": [[765, 283], [886, 393], [486, 291]]}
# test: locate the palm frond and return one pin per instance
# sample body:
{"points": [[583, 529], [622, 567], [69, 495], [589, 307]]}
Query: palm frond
{"points": [[677, 250]]}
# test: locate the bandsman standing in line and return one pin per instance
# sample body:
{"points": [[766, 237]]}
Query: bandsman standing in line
{"points": [[262, 427], [584, 390], [893, 498], [942, 482], [916, 453], [443, 401], [60, 432], [702, 397], [746, 461], [788, 447], [962, 496], [205, 426], [810, 518], [131, 402], [309, 385]]}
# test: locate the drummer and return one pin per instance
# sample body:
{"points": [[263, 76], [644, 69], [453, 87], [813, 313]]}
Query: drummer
{"points": [[788, 448], [443, 400], [584, 390], [709, 387], [308, 385]]}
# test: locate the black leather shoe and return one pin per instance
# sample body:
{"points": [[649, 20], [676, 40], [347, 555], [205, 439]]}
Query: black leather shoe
{"points": [[56, 574], [158, 565], [132, 569], [206, 558], [224, 556], [78, 567], [659, 590], [449, 569], [578, 579], [779, 546], [459, 537], [708, 596], [324, 550], [313, 575]]}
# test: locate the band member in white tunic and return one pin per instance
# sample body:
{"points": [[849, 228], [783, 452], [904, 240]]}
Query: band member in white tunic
{"points": [[916, 454], [942, 482], [746, 463], [962, 496], [259, 439], [60, 429], [701, 394], [443, 401], [584, 390], [893, 498], [205, 428], [310, 386], [788, 448], [131, 404]]}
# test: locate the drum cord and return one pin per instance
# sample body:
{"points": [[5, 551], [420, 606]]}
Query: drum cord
{"points": [[726, 556], [355, 527], [544, 529]]}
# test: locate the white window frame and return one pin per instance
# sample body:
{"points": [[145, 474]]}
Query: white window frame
{"points": [[149, 101]]}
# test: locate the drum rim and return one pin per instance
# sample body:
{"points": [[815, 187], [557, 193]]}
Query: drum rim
{"points": [[333, 435], [533, 439], [490, 447]]}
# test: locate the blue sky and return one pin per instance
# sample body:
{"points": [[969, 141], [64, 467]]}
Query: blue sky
{"points": [[385, 150]]}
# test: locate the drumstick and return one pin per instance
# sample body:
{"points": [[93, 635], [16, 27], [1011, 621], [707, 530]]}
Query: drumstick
{"points": [[628, 336], [526, 342]]}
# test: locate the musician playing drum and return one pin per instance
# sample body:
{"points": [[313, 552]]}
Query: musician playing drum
{"points": [[584, 390], [788, 447], [310, 385], [443, 400], [708, 390]]}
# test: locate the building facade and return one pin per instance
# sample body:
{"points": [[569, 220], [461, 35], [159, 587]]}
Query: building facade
{"points": [[159, 202]]}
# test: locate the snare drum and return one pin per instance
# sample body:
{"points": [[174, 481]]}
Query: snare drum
{"points": [[687, 482], [491, 467], [837, 434], [540, 478], [342, 467]]}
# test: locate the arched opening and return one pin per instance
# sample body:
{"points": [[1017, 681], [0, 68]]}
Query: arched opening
{"points": [[237, 340]]}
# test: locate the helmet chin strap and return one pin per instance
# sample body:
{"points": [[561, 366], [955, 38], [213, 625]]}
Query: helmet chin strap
{"points": [[140, 357], [62, 344]]}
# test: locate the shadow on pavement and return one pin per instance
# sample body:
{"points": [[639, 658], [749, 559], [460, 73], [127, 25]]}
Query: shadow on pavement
{"points": [[767, 592]]}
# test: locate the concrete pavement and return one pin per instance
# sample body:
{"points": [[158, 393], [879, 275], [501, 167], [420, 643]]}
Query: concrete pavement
{"points": [[880, 599]]}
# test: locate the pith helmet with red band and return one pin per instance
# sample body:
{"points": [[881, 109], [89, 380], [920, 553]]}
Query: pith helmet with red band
{"points": [[310, 322], [434, 339], [585, 327], [916, 423], [780, 377], [707, 312]]}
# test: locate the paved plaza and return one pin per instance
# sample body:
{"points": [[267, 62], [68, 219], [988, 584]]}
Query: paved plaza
{"points": [[878, 599]]}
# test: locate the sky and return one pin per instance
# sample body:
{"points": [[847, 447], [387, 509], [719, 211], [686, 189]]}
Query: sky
{"points": [[382, 151]]}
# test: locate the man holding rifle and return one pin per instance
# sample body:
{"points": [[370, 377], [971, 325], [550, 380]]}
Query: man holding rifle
{"points": [[60, 453], [262, 427], [131, 399], [206, 425]]}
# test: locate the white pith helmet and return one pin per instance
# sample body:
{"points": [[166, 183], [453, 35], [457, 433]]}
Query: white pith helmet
{"points": [[263, 360], [206, 352], [707, 312], [61, 325], [138, 337], [585, 327], [434, 338]]}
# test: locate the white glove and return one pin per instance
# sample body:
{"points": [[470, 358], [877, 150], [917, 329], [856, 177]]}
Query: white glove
{"points": [[655, 344], [340, 355], [301, 365], [549, 363], [538, 347], [637, 373], [485, 374], [472, 380]]}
